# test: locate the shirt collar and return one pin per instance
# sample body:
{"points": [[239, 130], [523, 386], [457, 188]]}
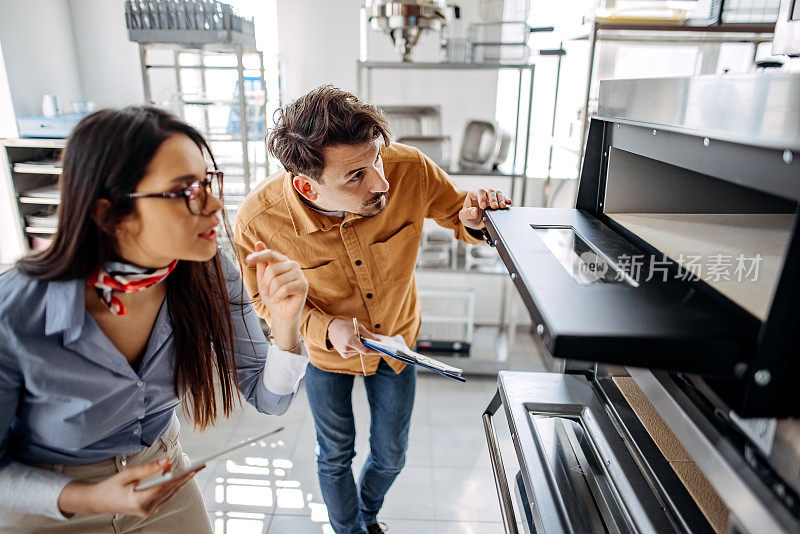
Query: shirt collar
{"points": [[337, 214], [304, 218], [65, 308]]}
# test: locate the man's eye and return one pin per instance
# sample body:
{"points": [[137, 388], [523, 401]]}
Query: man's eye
{"points": [[356, 177]]}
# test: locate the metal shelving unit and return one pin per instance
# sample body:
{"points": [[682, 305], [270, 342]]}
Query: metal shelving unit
{"points": [[21, 157], [364, 87], [242, 153], [502, 335], [205, 40], [243, 102]]}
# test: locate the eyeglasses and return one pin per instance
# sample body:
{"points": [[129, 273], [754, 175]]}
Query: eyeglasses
{"points": [[195, 195]]}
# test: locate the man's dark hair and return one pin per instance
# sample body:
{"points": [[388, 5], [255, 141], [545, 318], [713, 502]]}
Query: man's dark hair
{"points": [[324, 117]]}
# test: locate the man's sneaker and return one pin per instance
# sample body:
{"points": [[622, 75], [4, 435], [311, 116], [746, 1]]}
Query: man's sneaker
{"points": [[377, 528]]}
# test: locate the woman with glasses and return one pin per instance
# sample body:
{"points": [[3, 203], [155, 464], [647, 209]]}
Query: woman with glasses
{"points": [[132, 310]]}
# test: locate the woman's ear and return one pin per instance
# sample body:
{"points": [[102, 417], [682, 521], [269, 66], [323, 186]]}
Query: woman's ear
{"points": [[100, 215]]}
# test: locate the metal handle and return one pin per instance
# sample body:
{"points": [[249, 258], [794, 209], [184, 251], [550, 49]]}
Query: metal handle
{"points": [[500, 482], [552, 52]]}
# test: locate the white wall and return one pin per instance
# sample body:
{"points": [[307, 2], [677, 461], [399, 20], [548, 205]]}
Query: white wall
{"points": [[71, 48], [11, 245], [8, 121], [319, 43], [38, 57], [108, 64], [39, 53]]}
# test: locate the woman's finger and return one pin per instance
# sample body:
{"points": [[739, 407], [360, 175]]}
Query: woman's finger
{"points": [[297, 287], [170, 493], [265, 255], [280, 267], [278, 282], [136, 473], [260, 266], [160, 493]]}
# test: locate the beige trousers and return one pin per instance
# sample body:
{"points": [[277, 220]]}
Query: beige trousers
{"points": [[185, 512]]}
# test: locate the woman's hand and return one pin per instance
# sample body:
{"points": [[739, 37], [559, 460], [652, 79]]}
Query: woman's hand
{"points": [[283, 289], [117, 494]]}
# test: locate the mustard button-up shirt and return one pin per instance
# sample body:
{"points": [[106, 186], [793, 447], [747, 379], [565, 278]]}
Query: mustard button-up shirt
{"points": [[356, 266]]}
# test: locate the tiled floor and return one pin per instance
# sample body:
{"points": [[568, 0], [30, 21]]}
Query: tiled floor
{"points": [[446, 487]]}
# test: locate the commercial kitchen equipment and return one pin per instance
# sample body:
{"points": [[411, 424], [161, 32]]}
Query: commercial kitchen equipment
{"points": [[436, 147], [411, 121], [405, 20], [671, 404], [693, 32], [484, 146]]}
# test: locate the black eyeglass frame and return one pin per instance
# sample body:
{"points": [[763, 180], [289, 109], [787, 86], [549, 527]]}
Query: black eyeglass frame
{"points": [[189, 192]]}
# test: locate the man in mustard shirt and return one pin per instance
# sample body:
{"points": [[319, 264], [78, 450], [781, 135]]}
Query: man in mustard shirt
{"points": [[349, 208]]}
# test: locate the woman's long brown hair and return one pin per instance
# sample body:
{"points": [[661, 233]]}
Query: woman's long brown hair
{"points": [[106, 157]]}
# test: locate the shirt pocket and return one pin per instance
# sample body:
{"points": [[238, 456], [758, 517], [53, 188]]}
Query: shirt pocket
{"points": [[327, 284], [396, 257]]}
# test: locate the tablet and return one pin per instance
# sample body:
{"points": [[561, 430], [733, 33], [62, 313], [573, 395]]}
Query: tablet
{"points": [[200, 464]]}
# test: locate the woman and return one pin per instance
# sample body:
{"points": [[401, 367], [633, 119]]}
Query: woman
{"points": [[131, 310]]}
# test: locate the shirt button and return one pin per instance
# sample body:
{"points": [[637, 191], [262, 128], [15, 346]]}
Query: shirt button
{"points": [[377, 325], [140, 417], [135, 431], [369, 295], [358, 262], [139, 383]]}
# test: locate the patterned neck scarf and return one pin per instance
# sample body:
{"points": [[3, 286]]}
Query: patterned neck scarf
{"points": [[125, 278]]}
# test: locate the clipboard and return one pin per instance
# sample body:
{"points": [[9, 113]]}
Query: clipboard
{"points": [[414, 358]]}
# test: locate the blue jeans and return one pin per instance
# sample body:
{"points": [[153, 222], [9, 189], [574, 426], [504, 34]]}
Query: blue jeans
{"points": [[391, 399]]}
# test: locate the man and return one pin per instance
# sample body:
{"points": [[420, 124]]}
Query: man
{"points": [[349, 208]]}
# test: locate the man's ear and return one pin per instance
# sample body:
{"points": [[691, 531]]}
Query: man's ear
{"points": [[305, 186]]}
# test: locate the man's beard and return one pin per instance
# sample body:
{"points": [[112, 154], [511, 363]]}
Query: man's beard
{"points": [[375, 206]]}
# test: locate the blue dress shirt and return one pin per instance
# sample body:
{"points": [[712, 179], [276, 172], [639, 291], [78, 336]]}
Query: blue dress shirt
{"points": [[69, 396]]}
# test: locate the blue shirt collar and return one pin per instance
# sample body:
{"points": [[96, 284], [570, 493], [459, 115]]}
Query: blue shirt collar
{"points": [[65, 303]]}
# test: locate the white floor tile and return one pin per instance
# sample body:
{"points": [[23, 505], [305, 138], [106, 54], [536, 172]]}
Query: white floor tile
{"points": [[466, 527], [459, 447], [410, 497], [239, 522], [465, 494], [287, 524], [445, 488], [409, 526]]}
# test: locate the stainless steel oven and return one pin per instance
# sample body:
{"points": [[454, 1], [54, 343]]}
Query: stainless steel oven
{"points": [[669, 299]]}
